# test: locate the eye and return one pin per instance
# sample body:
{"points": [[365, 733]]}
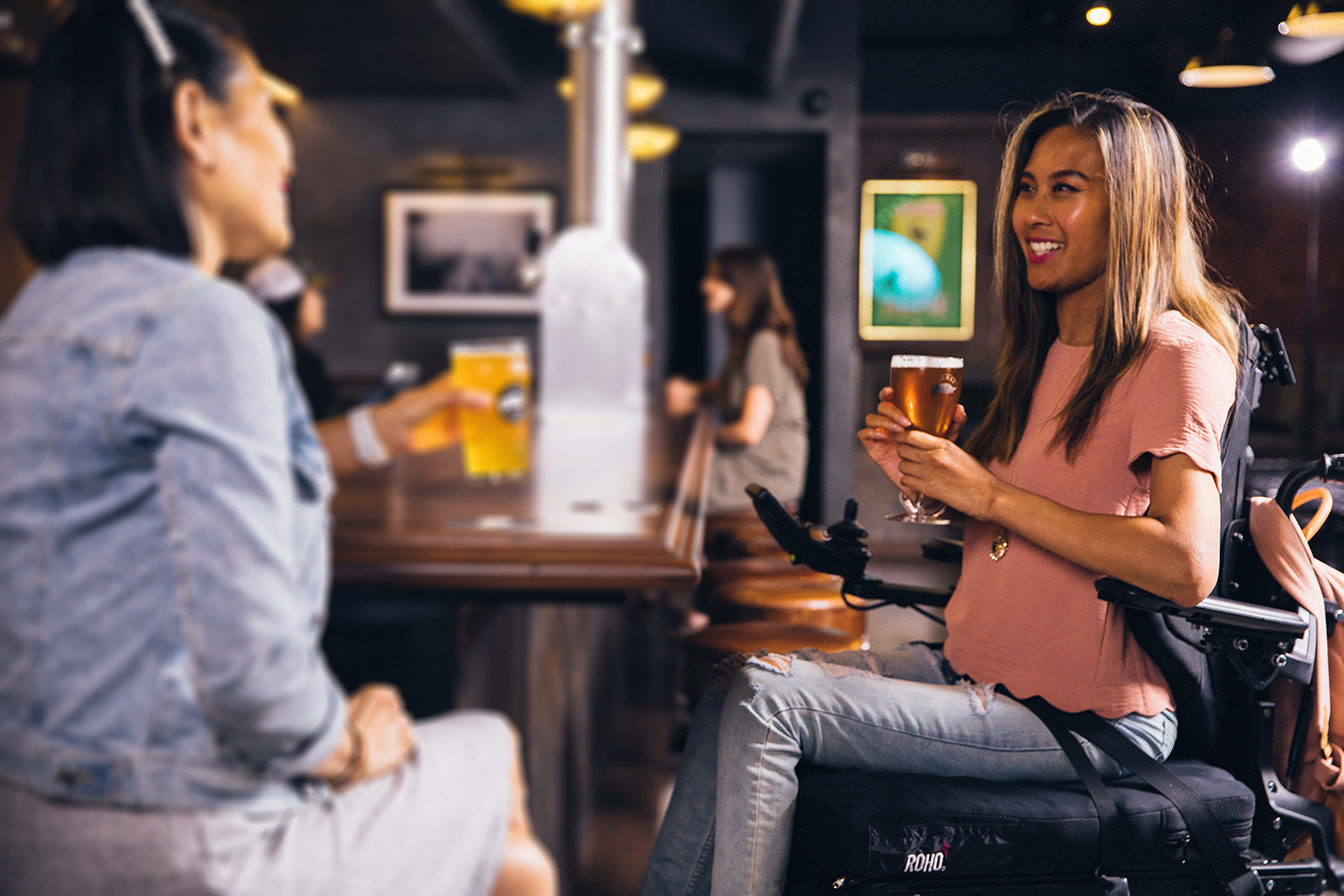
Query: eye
{"points": [[1063, 187], [1025, 187]]}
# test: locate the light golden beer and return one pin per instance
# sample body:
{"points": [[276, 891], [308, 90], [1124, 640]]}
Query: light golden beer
{"points": [[927, 388], [496, 441]]}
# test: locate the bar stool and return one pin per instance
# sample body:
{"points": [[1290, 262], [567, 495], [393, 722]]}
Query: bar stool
{"points": [[785, 602], [717, 642], [739, 533], [734, 570]]}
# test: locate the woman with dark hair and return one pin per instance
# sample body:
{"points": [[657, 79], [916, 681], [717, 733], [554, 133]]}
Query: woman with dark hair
{"points": [[168, 724], [1099, 456], [759, 391]]}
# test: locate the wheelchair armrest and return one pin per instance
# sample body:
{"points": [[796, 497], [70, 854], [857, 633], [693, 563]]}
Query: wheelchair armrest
{"points": [[1215, 613], [885, 593], [1260, 642]]}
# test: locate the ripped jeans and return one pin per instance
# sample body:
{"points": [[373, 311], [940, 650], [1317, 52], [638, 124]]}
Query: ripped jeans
{"points": [[730, 819]]}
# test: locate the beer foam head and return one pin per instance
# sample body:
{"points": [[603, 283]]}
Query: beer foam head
{"points": [[924, 361]]}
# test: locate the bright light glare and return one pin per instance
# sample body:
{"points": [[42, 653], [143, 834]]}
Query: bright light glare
{"points": [[1098, 15], [1309, 154]]}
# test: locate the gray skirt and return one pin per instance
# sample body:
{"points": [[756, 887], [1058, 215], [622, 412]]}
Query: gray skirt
{"points": [[435, 826]]}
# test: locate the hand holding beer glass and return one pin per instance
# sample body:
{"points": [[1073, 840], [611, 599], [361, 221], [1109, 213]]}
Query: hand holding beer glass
{"points": [[927, 389]]}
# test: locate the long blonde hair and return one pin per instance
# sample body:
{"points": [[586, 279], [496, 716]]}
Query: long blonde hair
{"points": [[1155, 262]]}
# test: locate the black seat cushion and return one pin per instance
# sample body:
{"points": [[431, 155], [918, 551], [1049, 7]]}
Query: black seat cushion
{"points": [[864, 825]]}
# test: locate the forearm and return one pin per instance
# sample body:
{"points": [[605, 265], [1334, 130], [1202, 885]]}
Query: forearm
{"points": [[338, 440], [1159, 555], [735, 433], [758, 408]]}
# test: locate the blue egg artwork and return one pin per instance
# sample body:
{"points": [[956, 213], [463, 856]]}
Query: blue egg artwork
{"points": [[905, 278]]}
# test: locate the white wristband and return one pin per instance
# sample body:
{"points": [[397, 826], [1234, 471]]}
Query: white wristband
{"points": [[369, 448]]}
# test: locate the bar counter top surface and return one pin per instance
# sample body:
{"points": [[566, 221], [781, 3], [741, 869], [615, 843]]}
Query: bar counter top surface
{"points": [[609, 505]]}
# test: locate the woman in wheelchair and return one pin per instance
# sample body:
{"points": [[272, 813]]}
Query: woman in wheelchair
{"points": [[1099, 455]]}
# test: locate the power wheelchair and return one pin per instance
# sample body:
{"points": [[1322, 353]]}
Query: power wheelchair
{"points": [[1237, 830]]}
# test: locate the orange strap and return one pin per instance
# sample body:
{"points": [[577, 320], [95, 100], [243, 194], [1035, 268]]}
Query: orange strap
{"points": [[1318, 518]]}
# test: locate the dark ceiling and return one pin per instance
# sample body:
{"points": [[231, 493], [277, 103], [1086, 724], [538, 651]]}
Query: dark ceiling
{"points": [[917, 55]]}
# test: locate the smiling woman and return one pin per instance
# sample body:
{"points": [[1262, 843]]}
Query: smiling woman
{"points": [[1100, 455], [168, 724]]}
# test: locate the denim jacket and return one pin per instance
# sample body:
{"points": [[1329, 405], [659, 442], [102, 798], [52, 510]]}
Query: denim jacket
{"points": [[163, 543]]}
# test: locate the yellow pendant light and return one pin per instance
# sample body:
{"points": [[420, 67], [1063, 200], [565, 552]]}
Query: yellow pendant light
{"points": [[649, 137], [555, 11], [1226, 66], [643, 89], [1315, 20]]}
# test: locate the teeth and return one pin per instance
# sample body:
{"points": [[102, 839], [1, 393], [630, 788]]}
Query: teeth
{"points": [[1039, 247]]}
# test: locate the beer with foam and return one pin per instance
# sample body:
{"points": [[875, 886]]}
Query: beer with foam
{"points": [[927, 389], [496, 440]]}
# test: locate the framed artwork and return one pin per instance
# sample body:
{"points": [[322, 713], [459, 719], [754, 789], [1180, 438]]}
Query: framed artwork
{"points": [[917, 260], [459, 252]]}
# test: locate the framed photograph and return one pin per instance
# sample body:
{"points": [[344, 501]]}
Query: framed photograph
{"points": [[456, 252], [917, 260]]}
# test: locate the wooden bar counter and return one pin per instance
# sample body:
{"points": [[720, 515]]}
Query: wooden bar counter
{"points": [[607, 508], [513, 596]]}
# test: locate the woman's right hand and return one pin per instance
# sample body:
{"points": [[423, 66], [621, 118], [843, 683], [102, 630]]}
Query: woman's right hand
{"points": [[379, 737], [388, 731]]}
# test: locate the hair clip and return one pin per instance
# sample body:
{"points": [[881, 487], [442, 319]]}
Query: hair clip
{"points": [[155, 36]]}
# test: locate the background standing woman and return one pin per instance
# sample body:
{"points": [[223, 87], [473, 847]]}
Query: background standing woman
{"points": [[168, 724], [1099, 456], [759, 391]]}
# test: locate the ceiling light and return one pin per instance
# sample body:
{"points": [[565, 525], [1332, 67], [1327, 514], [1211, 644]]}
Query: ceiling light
{"points": [[649, 138], [1226, 65], [1324, 19], [643, 88], [555, 11], [1098, 15], [1309, 154]]}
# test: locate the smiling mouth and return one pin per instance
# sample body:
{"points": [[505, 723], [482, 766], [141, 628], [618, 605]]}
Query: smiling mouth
{"points": [[1038, 250]]}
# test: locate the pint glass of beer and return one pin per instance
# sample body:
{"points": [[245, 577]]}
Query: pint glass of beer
{"points": [[927, 388], [496, 441]]}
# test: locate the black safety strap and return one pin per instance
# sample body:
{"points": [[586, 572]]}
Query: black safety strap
{"points": [[1110, 873], [1208, 833]]}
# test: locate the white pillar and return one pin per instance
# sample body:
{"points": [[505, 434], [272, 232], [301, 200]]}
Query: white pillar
{"points": [[594, 293]]}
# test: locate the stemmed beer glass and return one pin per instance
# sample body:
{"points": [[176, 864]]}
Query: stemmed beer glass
{"points": [[927, 388]]}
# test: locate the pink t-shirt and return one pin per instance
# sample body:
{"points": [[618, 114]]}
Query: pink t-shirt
{"points": [[1032, 621]]}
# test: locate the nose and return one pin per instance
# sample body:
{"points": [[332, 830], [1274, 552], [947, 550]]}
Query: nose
{"points": [[1030, 210]]}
